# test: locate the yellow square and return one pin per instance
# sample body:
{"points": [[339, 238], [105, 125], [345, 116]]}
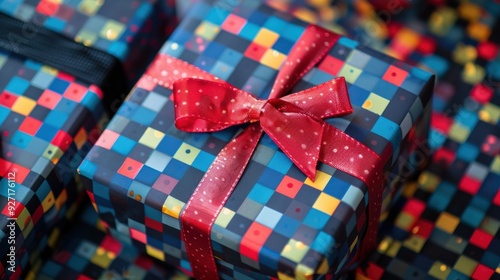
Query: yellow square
{"points": [[266, 37], [52, 153], [495, 165], [282, 276], [151, 138], [415, 243], [112, 30], [224, 217], [186, 153], [172, 206], [90, 7], [85, 37], [48, 202], [375, 103], [21, 222], [152, 251], [405, 221], [54, 237], [439, 270], [447, 222], [320, 182], [459, 133], [428, 181], [23, 105], [490, 113], [326, 203], [273, 59], [295, 250], [49, 70], [303, 272], [350, 73], [61, 199], [479, 31], [393, 249], [207, 30], [408, 38], [103, 258], [465, 265]]}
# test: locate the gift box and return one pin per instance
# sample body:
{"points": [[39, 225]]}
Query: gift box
{"points": [[447, 223], [52, 90], [277, 222], [89, 252]]}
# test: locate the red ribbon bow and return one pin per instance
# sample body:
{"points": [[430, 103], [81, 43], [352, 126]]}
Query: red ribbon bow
{"points": [[293, 122], [205, 103]]}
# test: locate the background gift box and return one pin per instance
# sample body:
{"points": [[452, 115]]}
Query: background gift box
{"points": [[89, 252], [142, 171], [50, 103]]}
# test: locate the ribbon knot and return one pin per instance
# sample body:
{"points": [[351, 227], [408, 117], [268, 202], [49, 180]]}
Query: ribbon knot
{"points": [[293, 122]]}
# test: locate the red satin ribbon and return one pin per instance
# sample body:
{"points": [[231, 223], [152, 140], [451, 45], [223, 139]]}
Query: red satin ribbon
{"points": [[205, 103]]}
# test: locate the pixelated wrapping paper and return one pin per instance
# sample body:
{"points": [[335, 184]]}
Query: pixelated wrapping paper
{"points": [[48, 118], [143, 170]]}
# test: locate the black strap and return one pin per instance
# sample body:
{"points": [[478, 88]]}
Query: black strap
{"points": [[87, 64]]}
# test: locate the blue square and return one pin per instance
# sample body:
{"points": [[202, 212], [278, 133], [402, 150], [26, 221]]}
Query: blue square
{"points": [[376, 67], [275, 24], [17, 85], [123, 145], [230, 57], [214, 50], [270, 178], [217, 16], [46, 132], [56, 118], [467, 152], [336, 188], [176, 169], [249, 31], [59, 85], [222, 70], [205, 63], [55, 24], [52, 269], [119, 49], [257, 18], [357, 95], [436, 64], [316, 219], [280, 162], [287, 226], [388, 130], [472, 216], [77, 263], [283, 45], [169, 145], [268, 217], [292, 32], [367, 81], [347, 42], [322, 243], [269, 258], [441, 196], [144, 116], [260, 194], [385, 89], [66, 106], [203, 161]]}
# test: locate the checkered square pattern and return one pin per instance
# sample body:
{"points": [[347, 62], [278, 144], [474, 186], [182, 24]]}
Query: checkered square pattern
{"points": [[277, 221], [448, 222], [45, 133], [132, 30], [87, 251]]}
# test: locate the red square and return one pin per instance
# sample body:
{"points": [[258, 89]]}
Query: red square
{"points": [[423, 228], [38, 214], [111, 245], [414, 207], [7, 99], [30, 125], [65, 76], [253, 240], [49, 99], [289, 187], [21, 173], [137, 235], [62, 256], [482, 93], [75, 92], [395, 75], [482, 272], [426, 45], [144, 262], [331, 65], [469, 185], [4, 167], [62, 140], [83, 277], [130, 168], [481, 239], [496, 200], [255, 51], [46, 7], [233, 24], [374, 272], [441, 122], [444, 155], [487, 50], [152, 224]]}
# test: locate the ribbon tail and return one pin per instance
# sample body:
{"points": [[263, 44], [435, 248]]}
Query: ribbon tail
{"points": [[210, 196]]}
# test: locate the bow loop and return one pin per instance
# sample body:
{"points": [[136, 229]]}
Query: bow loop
{"points": [[293, 122]]}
